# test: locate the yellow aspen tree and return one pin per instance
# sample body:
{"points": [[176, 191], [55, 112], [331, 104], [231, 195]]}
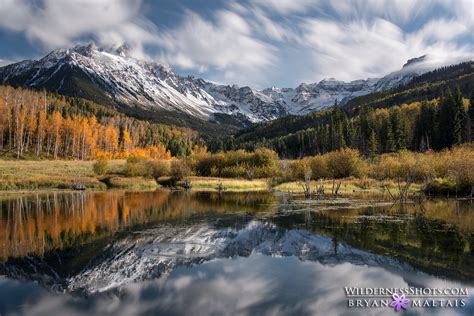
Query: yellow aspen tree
{"points": [[111, 139], [94, 135], [3, 127], [126, 140], [20, 124], [40, 131], [56, 123], [32, 121]]}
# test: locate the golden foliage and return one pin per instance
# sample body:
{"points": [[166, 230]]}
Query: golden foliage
{"points": [[38, 124]]}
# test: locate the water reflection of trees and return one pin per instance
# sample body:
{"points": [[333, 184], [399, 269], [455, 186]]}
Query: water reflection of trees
{"points": [[436, 236], [35, 224]]}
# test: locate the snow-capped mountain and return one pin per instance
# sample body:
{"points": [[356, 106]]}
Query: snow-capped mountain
{"points": [[318, 96], [158, 251], [113, 77]]}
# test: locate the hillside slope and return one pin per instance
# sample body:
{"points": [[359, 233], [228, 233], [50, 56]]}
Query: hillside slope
{"points": [[429, 85]]}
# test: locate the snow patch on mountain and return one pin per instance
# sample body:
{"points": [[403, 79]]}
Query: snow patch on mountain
{"points": [[152, 85]]}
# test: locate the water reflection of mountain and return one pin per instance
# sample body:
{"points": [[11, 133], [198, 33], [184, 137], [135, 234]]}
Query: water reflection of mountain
{"points": [[152, 252], [92, 242], [36, 224]]}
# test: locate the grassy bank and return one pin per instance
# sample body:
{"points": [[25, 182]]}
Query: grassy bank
{"points": [[234, 185], [70, 175], [349, 187], [46, 174], [24, 175], [16, 175]]}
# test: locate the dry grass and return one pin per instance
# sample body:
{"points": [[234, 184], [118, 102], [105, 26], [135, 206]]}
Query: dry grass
{"points": [[16, 175], [211, 183], [50, 174], [348, 186], [132, 183]]}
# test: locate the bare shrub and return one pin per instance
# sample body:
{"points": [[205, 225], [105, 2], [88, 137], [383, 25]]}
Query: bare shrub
{"points": [[159, 168], [179, 170]]}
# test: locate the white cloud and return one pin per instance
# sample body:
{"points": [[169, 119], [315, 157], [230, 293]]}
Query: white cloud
{"points": [[14, 14], [260, 42], [225, 44], [442, 30], [53, 24], [4, 62], [353, 39], [287, 6], [395, 11], [371, 49], [355, 50], [262, 23]]}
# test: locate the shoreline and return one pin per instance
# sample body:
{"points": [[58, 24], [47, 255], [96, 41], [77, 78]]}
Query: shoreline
{"points": [[204, 184], [67, 176]]}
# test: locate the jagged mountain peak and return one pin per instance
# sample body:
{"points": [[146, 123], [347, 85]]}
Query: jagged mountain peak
{"points": [[113, 76], [90, 50], [85, 50], [123, 50], [329, 80], [415, 60]]}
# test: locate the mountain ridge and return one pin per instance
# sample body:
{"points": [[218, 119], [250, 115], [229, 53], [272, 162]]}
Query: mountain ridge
{"points": [[112, 77]]}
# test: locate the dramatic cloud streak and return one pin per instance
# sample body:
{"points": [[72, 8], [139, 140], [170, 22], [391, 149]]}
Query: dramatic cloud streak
{"points": [[258, 42], [225, 43], [54, 24]]}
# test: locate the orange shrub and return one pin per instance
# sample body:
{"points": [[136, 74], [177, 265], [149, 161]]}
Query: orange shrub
{"points": [[346, 163]]}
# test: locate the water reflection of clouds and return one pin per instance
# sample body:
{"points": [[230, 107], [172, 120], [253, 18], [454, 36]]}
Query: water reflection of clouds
{"points": [[258, 284]]}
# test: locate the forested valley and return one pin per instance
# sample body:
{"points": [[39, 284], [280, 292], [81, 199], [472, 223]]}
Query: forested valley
{"points": [[433, 112], [419, 126]]}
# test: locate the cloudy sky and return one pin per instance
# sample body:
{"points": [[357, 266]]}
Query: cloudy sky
{"points": [[261, 43]]}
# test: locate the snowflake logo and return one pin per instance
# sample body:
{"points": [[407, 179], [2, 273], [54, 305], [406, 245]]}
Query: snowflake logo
{"points": [[399, 302]]}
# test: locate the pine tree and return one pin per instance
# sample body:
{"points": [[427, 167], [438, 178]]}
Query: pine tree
{"points": [[457, 137], [373, 145], [341, 142], [364, 128], [398, 128], [424, 130], [390, 145], [471, 117], [348, 132], [446, 116], [459, 118]]}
